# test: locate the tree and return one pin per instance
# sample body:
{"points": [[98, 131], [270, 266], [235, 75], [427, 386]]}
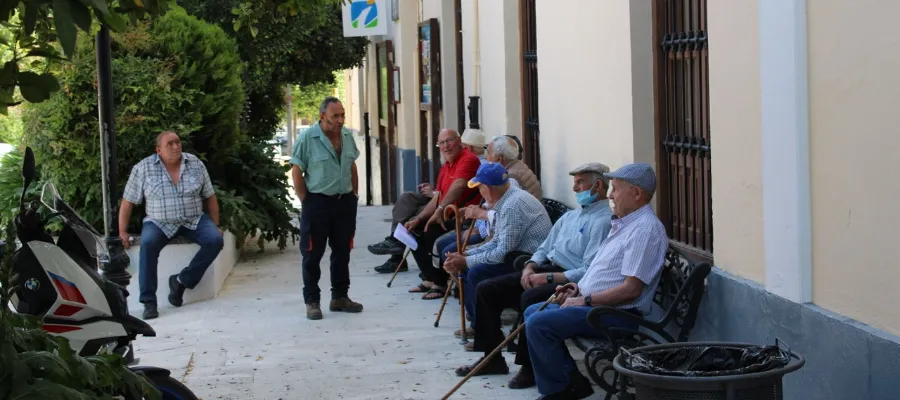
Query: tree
{"points": [[39, 28]]}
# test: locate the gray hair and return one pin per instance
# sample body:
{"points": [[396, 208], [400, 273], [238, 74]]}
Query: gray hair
{"points": [[328, 100], [505, 147]]}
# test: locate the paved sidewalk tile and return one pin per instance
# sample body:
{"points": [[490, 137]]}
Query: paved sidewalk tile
{"points": [[253, 341]]}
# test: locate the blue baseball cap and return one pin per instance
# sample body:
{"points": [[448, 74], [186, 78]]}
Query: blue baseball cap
{"points": [[491, 174], [637, 174]]}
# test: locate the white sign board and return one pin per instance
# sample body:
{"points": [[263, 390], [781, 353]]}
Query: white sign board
{"points": [[366, 17]]}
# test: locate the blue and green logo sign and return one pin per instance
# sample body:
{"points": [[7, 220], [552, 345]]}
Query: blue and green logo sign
{"points": [[365, 13]]}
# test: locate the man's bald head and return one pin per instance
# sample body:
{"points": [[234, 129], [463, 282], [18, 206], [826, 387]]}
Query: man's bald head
{"points": [[450, 144]]}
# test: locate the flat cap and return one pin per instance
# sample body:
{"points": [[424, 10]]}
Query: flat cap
{"points": [[637, 174], [594, 167]]}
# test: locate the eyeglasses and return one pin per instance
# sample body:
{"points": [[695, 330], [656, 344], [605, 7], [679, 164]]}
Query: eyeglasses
{"points": [[443, 142]]}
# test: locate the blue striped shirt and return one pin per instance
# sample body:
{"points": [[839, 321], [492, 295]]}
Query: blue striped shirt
{"points": [[521, 224], [636, 247], [575, 239]]}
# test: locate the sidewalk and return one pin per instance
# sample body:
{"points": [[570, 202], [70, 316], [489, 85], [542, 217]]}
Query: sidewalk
{"points": [[254, 342]]}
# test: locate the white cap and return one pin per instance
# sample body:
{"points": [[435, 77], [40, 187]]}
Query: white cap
{"points": [[473, 137]]}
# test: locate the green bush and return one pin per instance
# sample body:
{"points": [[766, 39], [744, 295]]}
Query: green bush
{"points": [[178, 73]]}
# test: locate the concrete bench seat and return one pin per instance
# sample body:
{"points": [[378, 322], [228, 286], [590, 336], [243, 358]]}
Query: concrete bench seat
{"points": [[173, 258]]}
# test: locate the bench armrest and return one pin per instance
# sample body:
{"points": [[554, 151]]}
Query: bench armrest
{"points": [[615, 335]]}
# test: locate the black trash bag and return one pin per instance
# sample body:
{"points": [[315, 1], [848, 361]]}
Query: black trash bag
{"points": [[707, 360]]}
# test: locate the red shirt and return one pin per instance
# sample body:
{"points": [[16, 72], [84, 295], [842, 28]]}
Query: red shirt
{"points": [[464, 167]]}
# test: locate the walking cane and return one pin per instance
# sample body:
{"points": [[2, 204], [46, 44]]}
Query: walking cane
{"points": [[447, 293], [459, 277], [405, 254], [500, 347]]}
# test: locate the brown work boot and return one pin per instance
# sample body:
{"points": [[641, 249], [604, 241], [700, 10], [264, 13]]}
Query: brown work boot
{"points": [[313, 311], [346, 305]]}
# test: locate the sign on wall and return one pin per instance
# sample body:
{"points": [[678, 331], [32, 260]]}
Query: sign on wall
{"points": [[366, 17]]}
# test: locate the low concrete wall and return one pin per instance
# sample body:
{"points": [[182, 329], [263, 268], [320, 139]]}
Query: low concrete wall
{"points": [[845, 359], [173, 259]]}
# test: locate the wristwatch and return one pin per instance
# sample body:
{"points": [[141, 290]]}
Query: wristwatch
{"points": [[550, 278], [587, 300]]}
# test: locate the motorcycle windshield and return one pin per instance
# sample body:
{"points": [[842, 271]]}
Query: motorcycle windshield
{"points": [[92, 240]]}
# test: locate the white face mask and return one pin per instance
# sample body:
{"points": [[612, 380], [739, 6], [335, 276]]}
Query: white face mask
{"points": [[487, 206]]}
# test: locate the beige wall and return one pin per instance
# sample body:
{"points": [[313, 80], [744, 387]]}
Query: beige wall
{"points": [[596, 92], [499, 85], [734, 102], [854, 154]]}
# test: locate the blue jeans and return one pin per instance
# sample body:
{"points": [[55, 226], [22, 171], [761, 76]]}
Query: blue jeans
{"points": [[447, 244], [547, 332], [153, 240], [474, 276]]}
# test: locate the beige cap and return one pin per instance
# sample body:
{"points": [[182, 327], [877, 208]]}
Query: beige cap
{"points": [[595, 167]]}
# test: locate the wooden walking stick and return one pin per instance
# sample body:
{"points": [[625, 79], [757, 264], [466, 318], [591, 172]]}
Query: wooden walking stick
{"points": [[447, 293], [405, 254], [502, 344], [459, 277]]}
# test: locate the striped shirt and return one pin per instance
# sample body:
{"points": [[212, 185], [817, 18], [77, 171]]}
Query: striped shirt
{"points": [[636, 246], [521, 224], [575, 239], [170, 206]]}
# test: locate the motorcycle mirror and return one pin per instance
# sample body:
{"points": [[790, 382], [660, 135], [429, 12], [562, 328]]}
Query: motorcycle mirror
{"points": [[29, 173], [28, 169]]}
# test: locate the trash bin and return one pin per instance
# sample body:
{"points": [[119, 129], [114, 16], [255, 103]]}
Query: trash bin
{"points": [[707, 371]]}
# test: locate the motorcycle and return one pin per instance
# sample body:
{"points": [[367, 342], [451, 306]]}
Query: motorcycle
{"points": [[61, 285]]}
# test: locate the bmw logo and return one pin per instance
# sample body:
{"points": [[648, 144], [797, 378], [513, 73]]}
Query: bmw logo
{"points": [[32, 284]]}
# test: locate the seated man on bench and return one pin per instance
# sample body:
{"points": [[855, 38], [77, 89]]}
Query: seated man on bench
{"points": [[624, 274], [176, 187], [563, 257], [521, 225]]}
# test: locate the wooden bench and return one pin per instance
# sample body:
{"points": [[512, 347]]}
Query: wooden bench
{"points": [[678, 296]]}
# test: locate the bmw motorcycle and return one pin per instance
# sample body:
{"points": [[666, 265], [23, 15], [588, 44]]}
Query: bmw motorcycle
{"points": [[62, 287]]}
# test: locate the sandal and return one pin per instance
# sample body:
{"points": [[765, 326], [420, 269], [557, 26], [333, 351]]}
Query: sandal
{"points": [[420, 289], [434, 293]]}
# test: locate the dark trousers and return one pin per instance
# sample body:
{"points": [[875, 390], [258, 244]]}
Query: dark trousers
{"points": [[207, 236], [424, 252], [496, 294], [408, 205], [332, 220]]}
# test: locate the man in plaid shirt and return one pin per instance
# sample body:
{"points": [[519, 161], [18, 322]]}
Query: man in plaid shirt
{"points": [[176, 187], [521, 224]]}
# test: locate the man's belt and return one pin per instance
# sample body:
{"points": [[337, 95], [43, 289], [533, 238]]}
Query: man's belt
{"points": [[334, 196]]}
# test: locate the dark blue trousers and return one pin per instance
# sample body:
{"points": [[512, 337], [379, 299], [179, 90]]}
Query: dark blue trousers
{"points": [[327, 220]]}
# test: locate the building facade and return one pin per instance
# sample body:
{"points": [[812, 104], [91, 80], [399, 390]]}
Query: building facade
{"points": [[795, 98]]}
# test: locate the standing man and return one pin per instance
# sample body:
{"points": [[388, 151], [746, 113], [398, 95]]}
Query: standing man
{"points": [[176, 186], [323, 169]]}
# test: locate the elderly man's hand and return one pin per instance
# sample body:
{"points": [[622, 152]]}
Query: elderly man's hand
{"points": [[455, 263], [574, 302], [474, 212], [425, 189], [526, 275], [563, 292]]}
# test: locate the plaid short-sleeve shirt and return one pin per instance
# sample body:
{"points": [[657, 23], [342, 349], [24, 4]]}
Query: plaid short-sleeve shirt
{"points": [[170, 206]]}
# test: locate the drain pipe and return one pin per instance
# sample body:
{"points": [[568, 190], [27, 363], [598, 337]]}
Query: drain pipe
{"points": [[474, 100]]}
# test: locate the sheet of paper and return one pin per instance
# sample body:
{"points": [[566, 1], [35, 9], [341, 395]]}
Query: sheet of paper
{"points": [[405, 237]]}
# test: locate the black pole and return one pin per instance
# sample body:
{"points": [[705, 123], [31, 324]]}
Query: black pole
{"points": [[368, 136], [474, 112], [115, 268]]}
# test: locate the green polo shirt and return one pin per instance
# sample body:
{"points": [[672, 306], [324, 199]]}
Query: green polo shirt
{"points": [[323, 171]]}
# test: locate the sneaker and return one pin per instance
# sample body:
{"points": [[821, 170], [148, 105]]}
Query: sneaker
{"points": [[313, 311], [389, 245], [390, 266], [346, 305], [150, 311], [176, 291]]}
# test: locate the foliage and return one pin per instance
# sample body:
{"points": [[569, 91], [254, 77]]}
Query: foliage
{"points": [[11, 184], [305, 100], [37, 365], [37, 29], [176, 73], [11, 126]]}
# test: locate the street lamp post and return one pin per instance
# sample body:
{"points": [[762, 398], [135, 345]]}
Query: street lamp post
{"points": [[115, 268]]}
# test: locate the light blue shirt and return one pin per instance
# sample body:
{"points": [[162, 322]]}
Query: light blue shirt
{"points": [[323, 172], [575, 239]]}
